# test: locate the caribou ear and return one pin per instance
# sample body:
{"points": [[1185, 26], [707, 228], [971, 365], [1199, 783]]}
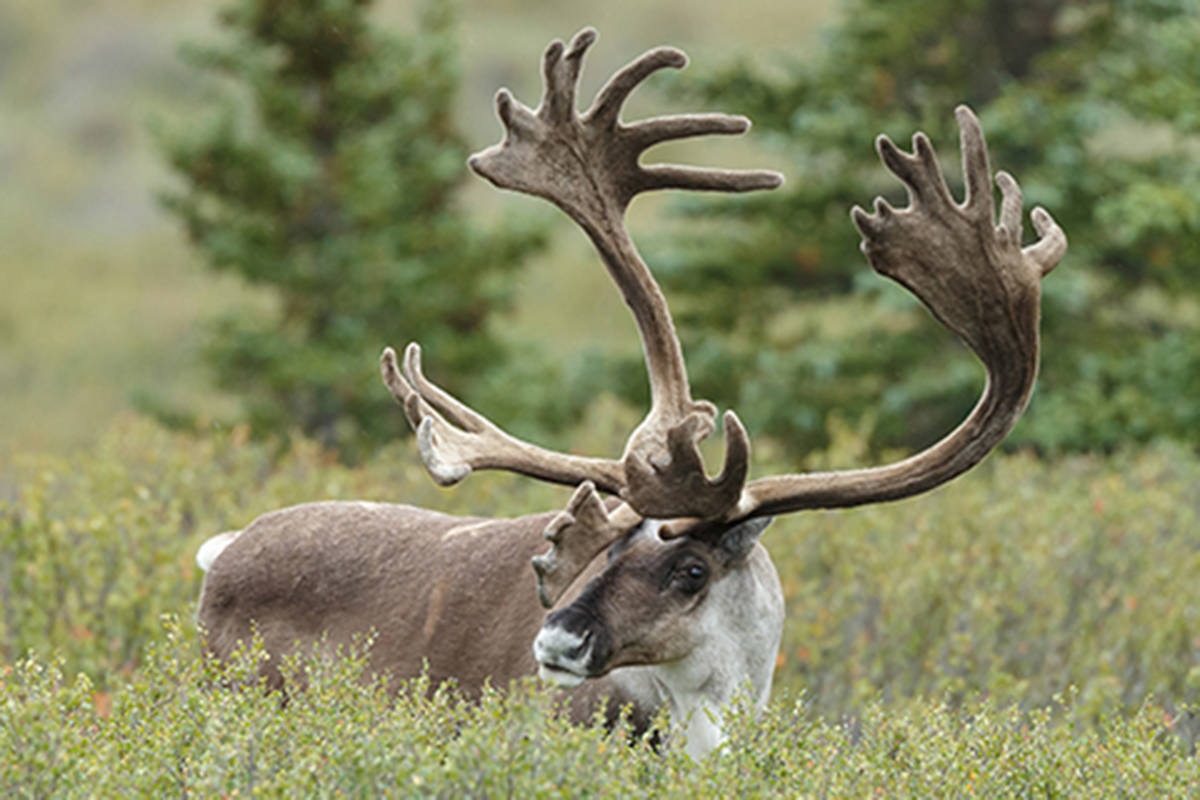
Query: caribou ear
{"points": [[737, 542]]}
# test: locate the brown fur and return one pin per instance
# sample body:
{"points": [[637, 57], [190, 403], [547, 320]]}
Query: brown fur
{"points": [[454, 592]]}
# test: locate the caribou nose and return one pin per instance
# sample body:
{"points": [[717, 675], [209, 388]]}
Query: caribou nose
{"points": [[558, 647], [562, 655], [580, 652]]}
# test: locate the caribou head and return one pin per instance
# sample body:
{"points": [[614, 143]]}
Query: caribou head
{"points": [[666, 602]]}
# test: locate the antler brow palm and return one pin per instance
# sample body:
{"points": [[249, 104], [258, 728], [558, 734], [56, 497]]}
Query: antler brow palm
{"points": [[587, 165]]}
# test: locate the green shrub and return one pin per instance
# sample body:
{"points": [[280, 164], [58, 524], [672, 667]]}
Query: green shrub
{"points": [[174, 731], [993, 596], [1019, 579]]}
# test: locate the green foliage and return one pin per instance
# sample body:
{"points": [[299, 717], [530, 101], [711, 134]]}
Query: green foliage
{"points": [[1024, 579], [1018, 580], [330, 175], [173, 731], [1087, 104], [1064, 593]]}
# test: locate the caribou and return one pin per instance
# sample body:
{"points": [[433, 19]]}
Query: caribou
{"points": [[659, 590]]}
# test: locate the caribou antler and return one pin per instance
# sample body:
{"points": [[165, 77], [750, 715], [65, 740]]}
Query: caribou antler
{"points": [[977, 281], [587, 164], [971, 273], [577, 535], [454, 440]]}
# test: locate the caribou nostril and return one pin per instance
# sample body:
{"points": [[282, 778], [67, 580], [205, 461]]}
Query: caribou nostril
{"points": [[585, 644]]}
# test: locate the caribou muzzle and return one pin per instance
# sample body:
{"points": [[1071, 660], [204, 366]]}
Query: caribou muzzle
{"points": [[571, 647]]}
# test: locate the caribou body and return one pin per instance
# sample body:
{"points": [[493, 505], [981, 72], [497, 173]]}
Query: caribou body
{"points": [[453, 596], [660, 594]]}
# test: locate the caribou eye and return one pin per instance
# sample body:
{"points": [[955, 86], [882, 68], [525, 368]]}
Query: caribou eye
{"points": [[693, 577]]}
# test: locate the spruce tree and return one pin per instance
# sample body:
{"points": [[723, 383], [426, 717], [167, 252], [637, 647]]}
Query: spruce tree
{"points": [[328, 174]]}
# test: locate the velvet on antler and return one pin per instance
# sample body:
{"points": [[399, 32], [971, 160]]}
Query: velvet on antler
{"points": [[975, 278], [588, 165], [967, 268]]}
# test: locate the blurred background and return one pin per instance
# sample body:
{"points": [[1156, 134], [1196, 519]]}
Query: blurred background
{"points": [[202, 225], [108, 306]]}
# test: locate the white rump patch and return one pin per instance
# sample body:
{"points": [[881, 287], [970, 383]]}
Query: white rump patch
{"points": [[209, 551]]}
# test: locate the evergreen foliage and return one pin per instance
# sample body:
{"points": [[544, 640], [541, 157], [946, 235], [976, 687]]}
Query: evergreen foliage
{"points": [[1091, 106], [329, 176]]}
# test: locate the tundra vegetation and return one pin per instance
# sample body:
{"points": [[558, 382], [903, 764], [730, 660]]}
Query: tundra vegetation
{"points": [[1030, 630]]}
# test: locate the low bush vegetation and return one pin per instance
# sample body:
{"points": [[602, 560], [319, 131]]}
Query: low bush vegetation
{"points": [[174, 731], [1019, 580], [1030, 629]]}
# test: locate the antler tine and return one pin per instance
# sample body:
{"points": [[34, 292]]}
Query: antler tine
{"points": [[588, 166], [919, 170], [454, 441], [1011, 202], [577, 535], [976, 280], [606, 109], [706, 179], [977, 176], [679, 486], [1052, 244], [415, 409], [455, 412], [560, 75], [649, 132]]}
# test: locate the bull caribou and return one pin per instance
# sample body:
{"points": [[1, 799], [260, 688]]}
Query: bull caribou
{"points": [[659, 593]]}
